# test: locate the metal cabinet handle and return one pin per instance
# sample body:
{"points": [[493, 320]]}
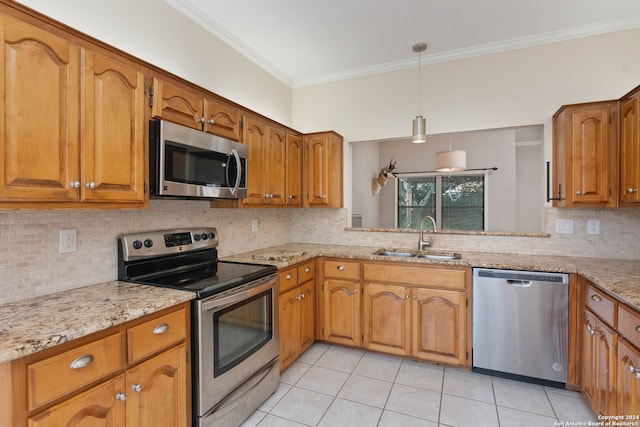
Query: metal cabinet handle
{"points": [[637, 329], [306, 270], [632, 190], [578, 193], [302, 296], [596, 298], [591, 330], [136, 387], [201, 120], [355, 291], [75, 184], [288, 276], [415, 297], [210, 121], [91, 185], [324, 196], [121, 396], [406, 296], [632, 369], [341, 267], [82, 361], [161, 329]]}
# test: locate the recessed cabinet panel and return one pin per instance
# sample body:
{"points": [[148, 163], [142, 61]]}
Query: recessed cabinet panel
{"points": [[39, 118]]}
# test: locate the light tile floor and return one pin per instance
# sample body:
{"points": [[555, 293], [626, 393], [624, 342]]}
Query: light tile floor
{"points": [[332, 386]]}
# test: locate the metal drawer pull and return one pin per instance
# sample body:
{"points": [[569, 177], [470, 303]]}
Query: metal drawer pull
{"points": [[121, 396], [637, 329], [632, 369], [406, 296], [82, 361], [161, 329], [306, 270], [341, 267], [288, 277], [632, 190], [302, 296], [355, 291], [596, 298], [136, 387], [591, 330]]}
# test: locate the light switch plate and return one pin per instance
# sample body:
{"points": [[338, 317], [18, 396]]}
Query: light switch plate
{"points": [[564, 226]]}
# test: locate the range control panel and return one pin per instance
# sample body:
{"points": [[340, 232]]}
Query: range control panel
{"points": [[166, 242]]}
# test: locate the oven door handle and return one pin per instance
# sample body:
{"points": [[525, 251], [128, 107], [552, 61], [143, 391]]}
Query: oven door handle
{"points": [[254, 288], [235, 154]]}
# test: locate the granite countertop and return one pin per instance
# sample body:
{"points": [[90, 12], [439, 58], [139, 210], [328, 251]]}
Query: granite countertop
{"points": [[621, 278], [38, 323]]}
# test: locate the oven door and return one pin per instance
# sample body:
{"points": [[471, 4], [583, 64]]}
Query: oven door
{"points": [[237, 336]]}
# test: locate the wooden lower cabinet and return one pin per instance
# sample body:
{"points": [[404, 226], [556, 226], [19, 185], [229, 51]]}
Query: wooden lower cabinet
{"points": [[598, 355], [88, 381], [628, 379], [297, 311], [341, 314], [386, 318], [439, 324]]}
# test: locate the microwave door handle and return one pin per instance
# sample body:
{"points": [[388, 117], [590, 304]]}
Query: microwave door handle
{"points": [[234, 153]]}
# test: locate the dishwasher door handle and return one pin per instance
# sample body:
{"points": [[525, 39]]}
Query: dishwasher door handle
{"points": [[519, 283]]}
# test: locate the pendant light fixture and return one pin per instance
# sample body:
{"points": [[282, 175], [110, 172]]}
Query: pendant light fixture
{"points": [[451, 161], [419, 123]]}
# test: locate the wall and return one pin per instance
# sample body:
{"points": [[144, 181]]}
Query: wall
{"points": [[154, 31], [30, 264]]}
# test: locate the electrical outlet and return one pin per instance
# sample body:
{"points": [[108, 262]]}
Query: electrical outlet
{"points": [[593, 226], [68, 239], [564, 226], [254, 225]]}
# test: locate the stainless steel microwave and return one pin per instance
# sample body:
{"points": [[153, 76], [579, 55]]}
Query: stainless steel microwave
{"points": [[187, 163]]}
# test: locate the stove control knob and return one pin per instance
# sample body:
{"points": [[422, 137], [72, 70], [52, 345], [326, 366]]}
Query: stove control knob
{"points": [[196, 237], [148, 243], [137, 244], [205, 236], [212, 236]]}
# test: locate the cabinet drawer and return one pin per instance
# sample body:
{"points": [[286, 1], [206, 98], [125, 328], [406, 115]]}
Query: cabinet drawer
{"points": [[155, 335], [342, 269], [600, 304], [306, 272], [288, 279], [409, 275], [58, 375], [629, 324]]}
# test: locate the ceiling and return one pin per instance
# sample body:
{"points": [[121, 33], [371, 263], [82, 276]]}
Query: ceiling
{"points": [[304, 43]]}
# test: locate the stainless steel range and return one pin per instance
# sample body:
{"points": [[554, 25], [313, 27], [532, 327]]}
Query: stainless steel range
{"points": [[235, 347]]}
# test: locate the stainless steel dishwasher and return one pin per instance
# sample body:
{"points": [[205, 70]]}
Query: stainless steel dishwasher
{"points": [[520, 325]]}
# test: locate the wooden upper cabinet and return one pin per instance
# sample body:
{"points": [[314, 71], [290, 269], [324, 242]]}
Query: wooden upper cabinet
{"points": [[630, 149], [255, 136], [323, 170], [113, 129], [222, 119], [585, 160], [293, 170], [275, 154], [40, 88], [179, 103]]}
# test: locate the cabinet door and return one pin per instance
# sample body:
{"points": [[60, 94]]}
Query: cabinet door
{"points": [[386, 318], [275, 164], [113, 131], [222, 119], [605, 347], [293, 170], [593, 148], [439, 322], [97, 407], [39, 117], [157, 392], [307, 310], [177, 104], [316, 149], [628, 386], [630, 150], [255, 136], [341, 323], [289, 327]]}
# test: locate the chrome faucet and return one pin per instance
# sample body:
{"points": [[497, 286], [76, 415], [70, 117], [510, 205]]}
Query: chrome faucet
{"points": [[428, 242]]}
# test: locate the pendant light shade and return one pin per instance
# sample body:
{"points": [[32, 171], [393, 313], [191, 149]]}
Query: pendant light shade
{"points": [[451, 161], [419, 130], [419, 123]]}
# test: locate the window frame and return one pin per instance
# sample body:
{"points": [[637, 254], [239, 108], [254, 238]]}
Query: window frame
{"points": [[438, 176]]}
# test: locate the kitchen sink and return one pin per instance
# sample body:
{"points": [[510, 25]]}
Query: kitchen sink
{"points": [[442, 256]]}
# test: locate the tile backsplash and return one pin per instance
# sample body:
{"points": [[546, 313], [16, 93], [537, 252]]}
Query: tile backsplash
{"points": [[30, 264]]}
